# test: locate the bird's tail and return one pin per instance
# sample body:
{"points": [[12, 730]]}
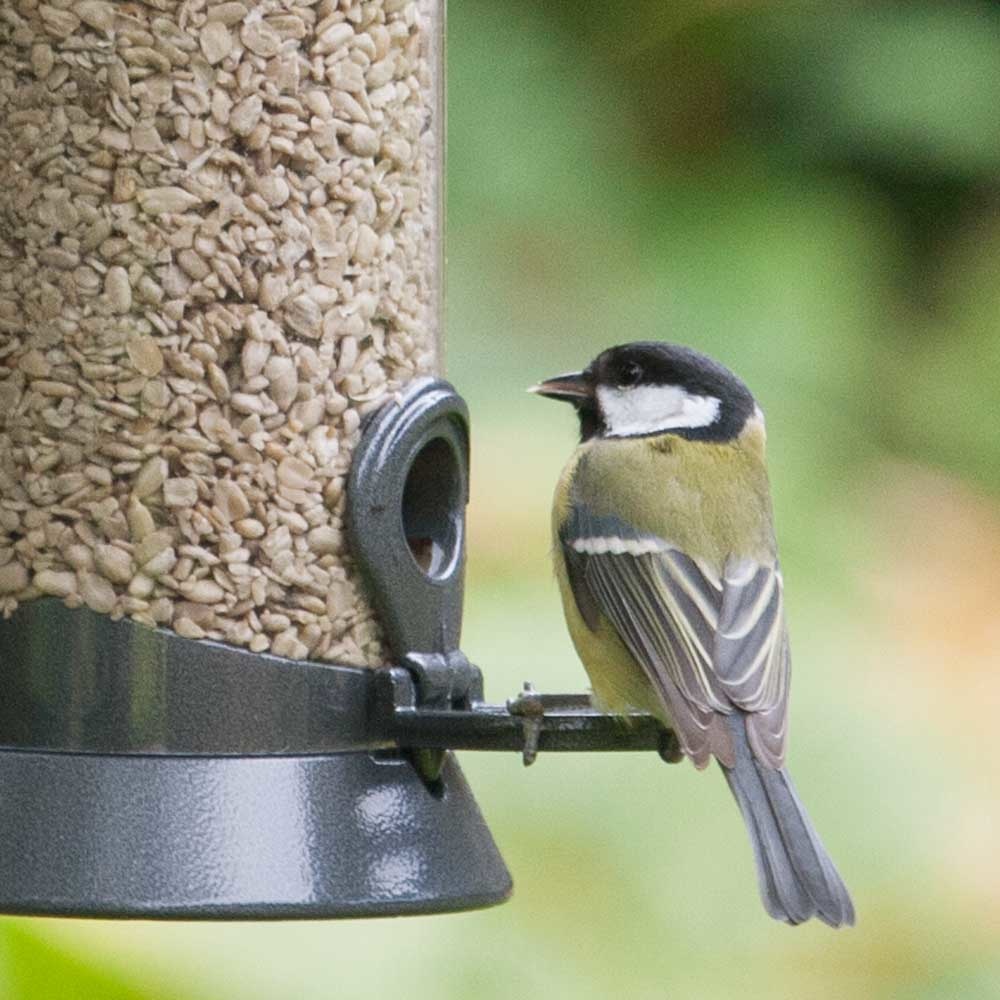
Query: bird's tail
{"points": [[797, 878]]}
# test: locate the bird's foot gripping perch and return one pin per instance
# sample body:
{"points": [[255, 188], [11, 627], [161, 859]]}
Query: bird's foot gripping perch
{"points": [[670, 747]]}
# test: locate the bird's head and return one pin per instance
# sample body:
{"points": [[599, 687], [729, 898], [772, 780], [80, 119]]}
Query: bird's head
{"points": [[649, 388]]}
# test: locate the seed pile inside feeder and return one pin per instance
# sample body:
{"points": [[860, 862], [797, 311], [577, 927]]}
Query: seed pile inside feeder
{"points": [[218, 250]]}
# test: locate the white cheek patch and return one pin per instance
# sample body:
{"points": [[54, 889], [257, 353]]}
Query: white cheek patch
{"points": [[648, 409]]}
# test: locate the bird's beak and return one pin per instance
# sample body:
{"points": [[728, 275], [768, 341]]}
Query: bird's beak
{"points": [[571, 388]]}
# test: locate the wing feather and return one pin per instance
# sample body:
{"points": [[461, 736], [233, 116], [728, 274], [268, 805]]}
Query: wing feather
{"points": [[751, 653], [709, 644], [692, 721]]}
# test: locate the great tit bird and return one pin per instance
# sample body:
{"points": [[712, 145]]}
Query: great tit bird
{"points": [[668, 569]]}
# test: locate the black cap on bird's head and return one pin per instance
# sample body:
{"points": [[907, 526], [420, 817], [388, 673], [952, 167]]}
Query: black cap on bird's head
{"points": [[648, 388]]}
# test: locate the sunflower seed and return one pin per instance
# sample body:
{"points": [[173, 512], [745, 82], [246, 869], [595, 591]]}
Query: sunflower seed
{"points": [[332, 38], [113, 563], [56, 583], [150, 477], [295, 473], [203, 592], [145, 355], [180, 492], [160, 201], [96, 592], [216, 41]]}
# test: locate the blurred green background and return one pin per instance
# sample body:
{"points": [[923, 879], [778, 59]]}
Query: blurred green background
{"points": [[810, 193]]}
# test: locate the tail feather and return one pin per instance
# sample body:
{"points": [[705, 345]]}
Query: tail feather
{"points": [[797, 878]]}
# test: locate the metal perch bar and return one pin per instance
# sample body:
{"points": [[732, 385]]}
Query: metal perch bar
{"points": [[530, 723]]}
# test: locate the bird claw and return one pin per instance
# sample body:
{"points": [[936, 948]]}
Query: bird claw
{"points": [[670, 747]]}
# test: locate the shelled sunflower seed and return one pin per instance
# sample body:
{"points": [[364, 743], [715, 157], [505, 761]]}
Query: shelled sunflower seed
{"points": [[218, 250]]}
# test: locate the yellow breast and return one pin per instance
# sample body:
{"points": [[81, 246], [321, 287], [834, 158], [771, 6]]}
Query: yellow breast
{"points": [[709, 500]]}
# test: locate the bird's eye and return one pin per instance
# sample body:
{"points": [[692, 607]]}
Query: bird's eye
{"points": [[630, 374]]}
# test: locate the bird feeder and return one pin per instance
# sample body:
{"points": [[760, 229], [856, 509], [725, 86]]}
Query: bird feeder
{"points": [[232, 482]]}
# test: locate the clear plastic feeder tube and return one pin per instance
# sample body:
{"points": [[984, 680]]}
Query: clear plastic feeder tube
{"points": [[220, 246]]}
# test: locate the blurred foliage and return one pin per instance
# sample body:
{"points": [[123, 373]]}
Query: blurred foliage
{"points": [[811, 193]]}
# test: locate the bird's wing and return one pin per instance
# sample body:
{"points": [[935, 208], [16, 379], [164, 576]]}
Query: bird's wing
{"points": [[751, 656], [708, 644]]}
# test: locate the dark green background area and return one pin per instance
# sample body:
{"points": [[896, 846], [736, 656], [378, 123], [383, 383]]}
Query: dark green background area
{"points": [[811, 193]]}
